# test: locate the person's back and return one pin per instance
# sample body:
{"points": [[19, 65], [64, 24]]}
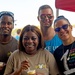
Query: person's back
{"points": [[7, 43], [46, 17]]}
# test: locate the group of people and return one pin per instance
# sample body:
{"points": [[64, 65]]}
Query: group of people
{"points": [[48, 51]]}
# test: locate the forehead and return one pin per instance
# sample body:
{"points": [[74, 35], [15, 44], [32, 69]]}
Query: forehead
{"points": [[6, 18], [46, 11], [61, 22], [29, 34]]}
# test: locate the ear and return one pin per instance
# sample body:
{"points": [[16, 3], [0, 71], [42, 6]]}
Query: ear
{"points": [[71, 27], [38, 18], [13, 26], [53, 17]]}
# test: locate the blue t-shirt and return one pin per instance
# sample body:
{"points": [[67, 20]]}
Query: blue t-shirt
{"points": [[17, 37], [51, 45]]}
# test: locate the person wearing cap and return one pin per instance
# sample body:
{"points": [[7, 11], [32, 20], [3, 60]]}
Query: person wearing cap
{"points": [[65, 53], [7, 42], [46, 17]]}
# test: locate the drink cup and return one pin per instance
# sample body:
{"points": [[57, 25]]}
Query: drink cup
{"points": [[1, 64], [31, 72]]}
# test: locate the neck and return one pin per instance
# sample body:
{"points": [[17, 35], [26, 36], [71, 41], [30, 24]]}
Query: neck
{"points": [[5, 40], [48, 33], [67, 42]]}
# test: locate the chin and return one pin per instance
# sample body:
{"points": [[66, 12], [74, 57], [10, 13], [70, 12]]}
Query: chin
{"points": [[47, 26], [6, 35]]}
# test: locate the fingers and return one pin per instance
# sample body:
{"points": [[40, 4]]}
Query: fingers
{"points": [[25, 65]]}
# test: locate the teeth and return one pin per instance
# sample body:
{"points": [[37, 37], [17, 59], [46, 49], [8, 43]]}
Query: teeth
{"points": [[29, 45]]}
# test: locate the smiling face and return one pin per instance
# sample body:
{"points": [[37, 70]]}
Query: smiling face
{"points": [[6, 25], [30, 42], [65, 33], [45, 17]]}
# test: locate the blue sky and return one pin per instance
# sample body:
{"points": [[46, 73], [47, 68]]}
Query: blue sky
{"points": [[25, 11]]}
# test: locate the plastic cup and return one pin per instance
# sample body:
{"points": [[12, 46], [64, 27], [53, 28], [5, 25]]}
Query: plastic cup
{"points": [[1, 64], [31, 72]]}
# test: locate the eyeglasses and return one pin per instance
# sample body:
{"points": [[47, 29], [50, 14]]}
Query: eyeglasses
{"points": [[43, 16], [65, 26]]}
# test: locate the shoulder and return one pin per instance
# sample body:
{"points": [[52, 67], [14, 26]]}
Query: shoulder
{"points": [[46, 53], [58, 50], [14, 39], [16, 53]]}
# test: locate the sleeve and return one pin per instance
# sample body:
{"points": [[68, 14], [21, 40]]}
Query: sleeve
{"points": [[53, 69], [9, 66]]}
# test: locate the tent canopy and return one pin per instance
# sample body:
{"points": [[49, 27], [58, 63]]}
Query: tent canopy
{"points": [[65, 5]]}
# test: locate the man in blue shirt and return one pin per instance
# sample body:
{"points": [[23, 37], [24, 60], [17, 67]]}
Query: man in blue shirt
{"points": [[46, 17]]}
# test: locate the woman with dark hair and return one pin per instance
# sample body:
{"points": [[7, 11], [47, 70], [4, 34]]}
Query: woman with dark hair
{"points": [[65, 53], [31, 55]]}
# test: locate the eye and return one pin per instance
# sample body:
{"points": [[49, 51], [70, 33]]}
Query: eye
{"points": [[9, 23], [43, 16], [26, 38], [3, 23], [65, 26], [34, 38], [49, 16]]}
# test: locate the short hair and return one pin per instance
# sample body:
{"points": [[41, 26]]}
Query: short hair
{"points": [[8, 13], [34, 29], [61, 17], [18, 31], [44, 7]]}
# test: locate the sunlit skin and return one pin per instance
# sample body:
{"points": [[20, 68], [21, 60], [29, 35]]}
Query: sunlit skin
{"points": [[30, 42], [46, 22], [65, 35], [6, 24]]}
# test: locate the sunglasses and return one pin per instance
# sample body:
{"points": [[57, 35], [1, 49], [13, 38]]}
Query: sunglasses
{"points": [[65, 26], [43, 16], [6, 13]]}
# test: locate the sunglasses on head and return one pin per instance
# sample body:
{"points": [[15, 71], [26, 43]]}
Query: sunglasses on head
{"points": [[6, 13], [43, 16], [65, 26]]}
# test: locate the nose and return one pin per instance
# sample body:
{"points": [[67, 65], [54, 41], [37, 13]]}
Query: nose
{"points": [[6, 25], [61, 29], [46, 17], [30, 40]]}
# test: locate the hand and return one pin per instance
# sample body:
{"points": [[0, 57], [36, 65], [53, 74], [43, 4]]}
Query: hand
{"points": [[2, 66], [24, 65]]}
